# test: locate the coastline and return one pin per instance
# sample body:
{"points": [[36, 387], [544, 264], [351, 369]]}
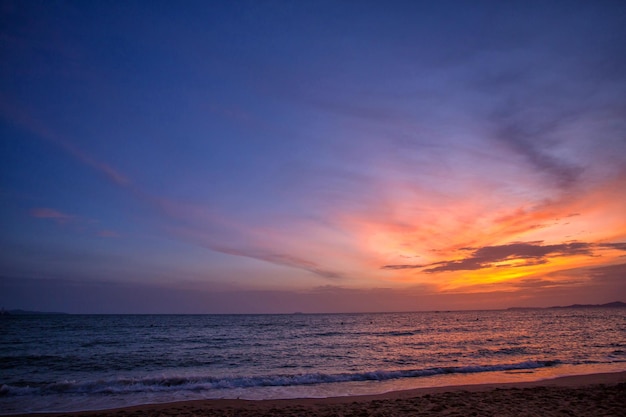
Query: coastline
{"points": [[577, 395]]}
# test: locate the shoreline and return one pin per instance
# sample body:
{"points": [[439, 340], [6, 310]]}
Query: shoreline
{"points": [[571, 395]]}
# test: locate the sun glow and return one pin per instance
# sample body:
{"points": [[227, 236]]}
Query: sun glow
{"points": [[474, 248]]}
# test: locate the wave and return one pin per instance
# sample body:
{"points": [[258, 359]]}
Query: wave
{"points": [[504, 351], [161, 384]]}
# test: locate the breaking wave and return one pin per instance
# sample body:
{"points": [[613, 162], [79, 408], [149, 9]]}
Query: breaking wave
{"points": [[169, 384]]}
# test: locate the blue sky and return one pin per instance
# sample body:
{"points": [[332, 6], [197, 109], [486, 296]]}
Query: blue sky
{"points": [[272, 156]]}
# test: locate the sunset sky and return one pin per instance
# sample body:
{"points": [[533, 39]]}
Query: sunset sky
{"points": [[281, 156]]}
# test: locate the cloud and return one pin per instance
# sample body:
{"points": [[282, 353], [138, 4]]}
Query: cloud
{"points": [[108, 233], [214, 228], [542, 283], [546, 116], [529, 250], [530, 136], [610, 274], [77, 223], [531, 253], [107, 170], [618, 245], [21, 118], [171, 210], [402, 266], [281, 259], [48, 213], [230, 239]]}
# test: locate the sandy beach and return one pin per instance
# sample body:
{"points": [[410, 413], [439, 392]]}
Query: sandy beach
{"points": [[582, 395]]}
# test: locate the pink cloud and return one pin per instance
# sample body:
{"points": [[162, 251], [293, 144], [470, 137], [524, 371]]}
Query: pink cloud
{"points": [[48, 213], [108, 233], [77, 223]]}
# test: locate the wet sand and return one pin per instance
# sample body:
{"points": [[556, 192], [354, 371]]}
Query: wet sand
{"points": [[583, 395]]}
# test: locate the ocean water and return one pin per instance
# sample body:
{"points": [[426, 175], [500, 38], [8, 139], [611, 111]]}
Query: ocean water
{"points": [[85, 362]]}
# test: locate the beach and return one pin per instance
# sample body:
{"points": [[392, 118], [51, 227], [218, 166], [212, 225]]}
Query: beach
{"points": [[582, 395]]}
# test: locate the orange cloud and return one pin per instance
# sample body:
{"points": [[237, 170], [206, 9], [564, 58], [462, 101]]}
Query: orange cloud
{"points": [[478, 236]]}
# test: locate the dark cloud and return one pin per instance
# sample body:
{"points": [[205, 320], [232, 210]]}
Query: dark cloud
{"points": [[608, 280], [582, 84], [541, 283], [468, 264], [532, 262], [615, 274], [530, 136], [532, 253], [618, 245], [525, 250], [535, 108], [402, 266]]}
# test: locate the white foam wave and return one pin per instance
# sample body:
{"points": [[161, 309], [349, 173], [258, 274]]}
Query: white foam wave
{"points": [[170, 384]]}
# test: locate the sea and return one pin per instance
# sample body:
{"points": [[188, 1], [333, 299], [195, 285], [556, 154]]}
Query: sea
{"points": [[92, 362]]}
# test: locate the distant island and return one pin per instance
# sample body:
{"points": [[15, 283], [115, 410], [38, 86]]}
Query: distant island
{"points": [[18, 312], [614, 304]]}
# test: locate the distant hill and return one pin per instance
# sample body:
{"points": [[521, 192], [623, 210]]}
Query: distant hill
{"points": [[614, 304]]}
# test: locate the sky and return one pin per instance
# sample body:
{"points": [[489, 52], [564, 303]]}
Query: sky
{"points": [[314, 156]]}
